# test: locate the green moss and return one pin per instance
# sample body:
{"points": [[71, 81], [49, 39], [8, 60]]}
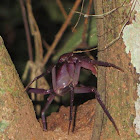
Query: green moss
{"points": [[2, 91], [15, 94], [1, 102], [3, 125], [135, 139], [131, 119]]}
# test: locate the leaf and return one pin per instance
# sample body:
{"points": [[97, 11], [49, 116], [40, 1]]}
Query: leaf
{"points": [[76, 38]]}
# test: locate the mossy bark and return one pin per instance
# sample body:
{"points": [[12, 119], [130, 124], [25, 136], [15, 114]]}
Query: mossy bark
{"points": [[17, 117], [118, 89]]}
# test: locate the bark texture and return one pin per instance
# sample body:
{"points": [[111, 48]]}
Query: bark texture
{"points": [[17, 118], [118, 89]]}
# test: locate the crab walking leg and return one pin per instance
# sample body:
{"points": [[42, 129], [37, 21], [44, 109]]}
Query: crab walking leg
{"points": [[105, 64], [54, 77], [76, 73], [90, 64], [49, 101], [40, 91], [71, 107], [38, 77], [74, 83], [97, 95]]}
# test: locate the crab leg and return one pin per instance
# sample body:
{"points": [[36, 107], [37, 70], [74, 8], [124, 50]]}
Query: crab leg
{"points": [[38, 77], [49, 101], [97, 95], [76, 73], [40, 91], [91, 64], [54, 77], [71, 107], [105, 64]]}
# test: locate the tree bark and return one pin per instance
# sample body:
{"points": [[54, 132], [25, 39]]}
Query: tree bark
{"points": [[118, 89], [98, 118], [17, 117]]}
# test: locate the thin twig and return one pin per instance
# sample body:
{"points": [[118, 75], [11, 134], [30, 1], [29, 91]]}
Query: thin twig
{"points": [[30, 53], [62, 8], [108, 45], [79, 16], [35, 33], [47, 46], [113, 41], [86, 23], [60, 32], [101, 15]]}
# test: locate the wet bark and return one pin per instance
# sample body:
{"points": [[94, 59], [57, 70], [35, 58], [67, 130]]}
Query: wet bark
{"points": [[118, 89]]}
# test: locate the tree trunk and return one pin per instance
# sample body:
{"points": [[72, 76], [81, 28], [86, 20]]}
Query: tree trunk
{"points": [[118, 89], [17, 117]]}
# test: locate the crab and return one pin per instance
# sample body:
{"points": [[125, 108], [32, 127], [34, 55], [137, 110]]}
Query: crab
{"points": [[65, 76]]}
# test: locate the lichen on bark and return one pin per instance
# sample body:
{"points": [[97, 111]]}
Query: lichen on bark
{"points": [[131, 35]]}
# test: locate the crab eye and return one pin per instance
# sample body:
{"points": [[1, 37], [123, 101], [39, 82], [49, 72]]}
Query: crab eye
{"points": [[61, 60]]}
